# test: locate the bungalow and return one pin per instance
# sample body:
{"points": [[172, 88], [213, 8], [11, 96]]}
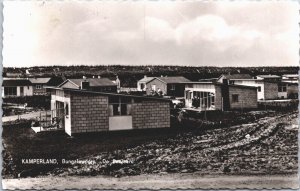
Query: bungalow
{"points": [[218, 96], [38, 85], [91, 84], [89, 111], [266, 89], [13, 87], [169, 86]]}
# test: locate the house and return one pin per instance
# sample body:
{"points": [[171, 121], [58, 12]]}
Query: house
{"points": [[288, 86], [38, 85], [291, 78], [266, 89], [218, 96], [89, 111], [91, 84], [14, 87], [169, 86]]}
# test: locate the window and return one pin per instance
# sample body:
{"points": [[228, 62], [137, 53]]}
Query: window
{"points": [[259, 89], [281, 88], [10, 91], [231, 82], [142, 86], [153, 87], [235, 98], [38, 86], [172, 87], [119, 105]]}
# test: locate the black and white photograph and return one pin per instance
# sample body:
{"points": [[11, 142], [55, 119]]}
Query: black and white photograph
{"points": [[150, 95]]}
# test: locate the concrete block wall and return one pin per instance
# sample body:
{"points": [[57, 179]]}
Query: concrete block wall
{"points": [[218, 98], [150, 114], [271, 90], [89, 113], [247, 98]]}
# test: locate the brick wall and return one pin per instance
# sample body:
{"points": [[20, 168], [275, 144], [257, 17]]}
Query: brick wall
{"points": [[218, 98], [89, 113], [247, 98], [271, 90], [152, 114]]}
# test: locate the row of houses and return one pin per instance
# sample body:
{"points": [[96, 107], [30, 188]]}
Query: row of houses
{"points": [[229, 91], [94, 104], [18, 87]]}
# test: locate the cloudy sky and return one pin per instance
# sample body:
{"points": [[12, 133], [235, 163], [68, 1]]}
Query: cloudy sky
{"points": [[194, 33]]}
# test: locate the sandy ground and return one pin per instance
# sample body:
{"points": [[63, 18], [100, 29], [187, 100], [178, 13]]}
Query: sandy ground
{"points": [[166, 181]]}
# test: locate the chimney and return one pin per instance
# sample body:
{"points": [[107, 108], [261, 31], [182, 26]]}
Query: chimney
{"points": [[85, 85]]}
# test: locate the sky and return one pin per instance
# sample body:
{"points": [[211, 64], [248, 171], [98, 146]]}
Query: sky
{"points": [[187, 33]]}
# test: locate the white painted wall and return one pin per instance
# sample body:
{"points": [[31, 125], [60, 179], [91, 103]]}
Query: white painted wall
{"points": [[120, 123], [65, 100]]}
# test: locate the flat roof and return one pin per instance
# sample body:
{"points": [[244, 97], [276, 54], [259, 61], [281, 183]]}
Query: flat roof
{"points": [[108, 93]]}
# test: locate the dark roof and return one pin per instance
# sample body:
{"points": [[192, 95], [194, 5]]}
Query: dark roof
{"points": [[39, 80], [94, 82], [236, 76], [146, 79], [16, 82], [173, 79], [108, 93]]}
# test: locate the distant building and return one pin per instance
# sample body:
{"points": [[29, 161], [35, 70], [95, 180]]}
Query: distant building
{"points": [[269, 78], [91, 84], [84, 111], [290, 78], [219, 96], [227, 78], [265, 89], [169, 86], [38, 85], [290, 82], [15, 87]]}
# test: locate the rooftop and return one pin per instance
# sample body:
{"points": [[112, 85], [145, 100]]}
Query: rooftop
{"points": [[94, 82], [39, 80], [108, 93], [236, 76], [16, 82]]}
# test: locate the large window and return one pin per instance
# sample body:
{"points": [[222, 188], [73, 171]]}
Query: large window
{"points": [[10, 91], [119, 105]]}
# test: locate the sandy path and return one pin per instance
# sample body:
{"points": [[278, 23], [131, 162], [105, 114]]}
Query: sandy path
{"points": [[171, 181]]}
